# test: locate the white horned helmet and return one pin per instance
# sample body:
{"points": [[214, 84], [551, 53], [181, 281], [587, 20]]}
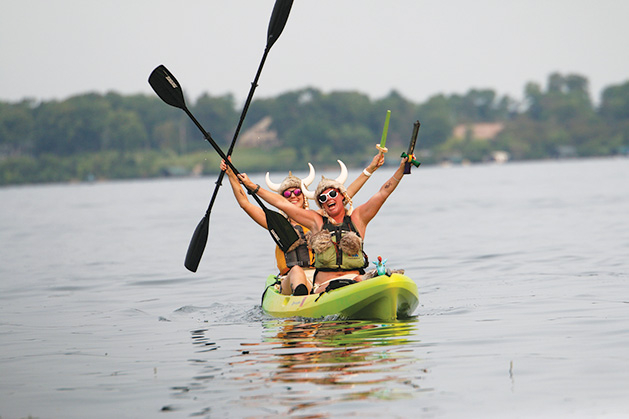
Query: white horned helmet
{"points": [[292, 181], [326, 183]]}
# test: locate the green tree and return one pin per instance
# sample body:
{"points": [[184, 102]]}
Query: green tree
{"points": [[525, 139], [218, 116], [170, 135], [615, 103], [437, 122], [16, 128], [308, 137], [345, 107], [74, 125], [287, 111], [566, 98], [534, 100], [151, 111], [125, 132], [478, 105]]}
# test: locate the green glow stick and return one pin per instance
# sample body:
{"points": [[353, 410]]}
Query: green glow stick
{"points": [[385, 130]]}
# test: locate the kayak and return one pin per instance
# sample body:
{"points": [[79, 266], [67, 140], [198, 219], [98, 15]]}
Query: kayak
{"points": [[381, 298]]}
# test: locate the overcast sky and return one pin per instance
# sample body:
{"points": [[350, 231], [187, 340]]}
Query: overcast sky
{"points": [[52, 49]]}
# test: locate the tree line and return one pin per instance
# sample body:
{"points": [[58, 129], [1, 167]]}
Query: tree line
{"points": [[115, 136]]}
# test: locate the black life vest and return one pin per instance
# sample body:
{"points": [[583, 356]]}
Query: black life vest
{"points": [[300, 256]]}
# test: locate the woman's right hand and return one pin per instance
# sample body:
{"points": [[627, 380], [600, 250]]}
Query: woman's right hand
{"points": [[244, 179], [376, 162]]}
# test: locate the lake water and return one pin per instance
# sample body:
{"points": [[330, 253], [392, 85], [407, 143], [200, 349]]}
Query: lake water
{"points": [[523, 272]]}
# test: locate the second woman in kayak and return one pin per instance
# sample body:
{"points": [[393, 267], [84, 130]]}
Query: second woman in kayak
{"points": [[295, 266]]}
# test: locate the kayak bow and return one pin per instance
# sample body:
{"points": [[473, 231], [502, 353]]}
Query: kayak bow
{"points": [[381, 298]]}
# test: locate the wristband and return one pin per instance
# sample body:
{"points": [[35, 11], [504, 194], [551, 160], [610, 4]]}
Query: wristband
{"points": [[396, 179], [255, 191], [366, 173]]}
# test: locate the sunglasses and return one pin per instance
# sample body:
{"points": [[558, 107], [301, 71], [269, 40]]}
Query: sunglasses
{"points": [[323, 198], [295, 192]]}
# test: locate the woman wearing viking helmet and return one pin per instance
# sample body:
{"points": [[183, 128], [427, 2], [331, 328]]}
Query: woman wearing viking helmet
{"points": [[295, 266], [337, 232]]}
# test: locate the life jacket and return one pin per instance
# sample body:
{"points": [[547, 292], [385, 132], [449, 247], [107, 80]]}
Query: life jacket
{"points": [[299, 256], [331, 254]]}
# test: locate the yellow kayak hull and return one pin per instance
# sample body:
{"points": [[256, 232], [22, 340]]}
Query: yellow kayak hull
{"points": [[381, 298]]}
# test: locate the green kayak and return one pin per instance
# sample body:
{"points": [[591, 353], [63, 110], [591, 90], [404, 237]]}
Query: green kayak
{"points": [[381, 298]]}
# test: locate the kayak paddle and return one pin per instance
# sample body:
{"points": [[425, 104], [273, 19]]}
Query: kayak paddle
{"points": [[279, 16], [169, 90]]}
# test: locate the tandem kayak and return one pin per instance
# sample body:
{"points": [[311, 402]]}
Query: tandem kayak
{"points": [[381, 298]]}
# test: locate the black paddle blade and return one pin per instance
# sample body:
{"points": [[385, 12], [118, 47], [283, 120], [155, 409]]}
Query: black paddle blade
{"points": [[279, 16], [281, 230], [197, 245], [167, 87]]}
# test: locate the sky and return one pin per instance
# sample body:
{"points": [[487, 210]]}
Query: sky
{"points": [[53, 49]]}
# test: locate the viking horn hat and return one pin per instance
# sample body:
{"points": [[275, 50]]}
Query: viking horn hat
{"points": [[339, 181], [290, 181]]}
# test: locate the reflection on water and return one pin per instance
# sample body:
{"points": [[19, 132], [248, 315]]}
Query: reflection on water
{"points": [[309, 366], [361, 357]]}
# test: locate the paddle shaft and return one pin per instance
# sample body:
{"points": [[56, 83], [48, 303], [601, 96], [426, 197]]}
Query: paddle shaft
{"points": [[278, 20], [254, 84], [216, 147]]}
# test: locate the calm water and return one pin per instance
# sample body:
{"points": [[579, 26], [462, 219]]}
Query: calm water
{"points": [[523, 271]]}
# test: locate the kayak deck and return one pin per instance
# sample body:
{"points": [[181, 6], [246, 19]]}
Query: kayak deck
{"points": [[381, 298]]}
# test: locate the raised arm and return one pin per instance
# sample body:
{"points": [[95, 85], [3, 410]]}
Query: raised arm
{"points": [[253, 211], [362, 178], [307, 218], [365, 212]]}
